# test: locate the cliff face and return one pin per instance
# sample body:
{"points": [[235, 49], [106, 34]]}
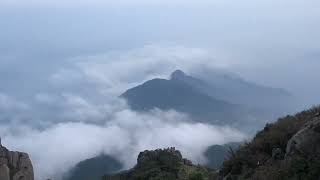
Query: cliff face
{"points": [[288, 149], [15, 165], [163, 164]]}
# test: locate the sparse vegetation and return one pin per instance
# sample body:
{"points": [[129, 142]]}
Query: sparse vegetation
{"points": [[255, 160]]}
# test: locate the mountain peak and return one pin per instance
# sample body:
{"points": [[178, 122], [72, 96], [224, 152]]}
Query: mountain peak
{"points": [[147, 156], [177, 74]]}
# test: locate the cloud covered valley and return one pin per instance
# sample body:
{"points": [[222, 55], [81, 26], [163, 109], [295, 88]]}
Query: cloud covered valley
{"points": [[80, 115]]}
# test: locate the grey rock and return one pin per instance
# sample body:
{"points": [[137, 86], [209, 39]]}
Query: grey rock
{"points": [[4, 172], [23, 174], [14, 157], [306, 141], [15, 165], [3, 160]]}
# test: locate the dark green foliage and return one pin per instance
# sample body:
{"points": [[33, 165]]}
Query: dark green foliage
{"points": [[196, 176], [157, 165], [303, 168], [166, 164]]}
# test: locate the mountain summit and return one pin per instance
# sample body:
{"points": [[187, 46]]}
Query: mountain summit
{"points": [[220, 99], [175, 94], [178, 74]]}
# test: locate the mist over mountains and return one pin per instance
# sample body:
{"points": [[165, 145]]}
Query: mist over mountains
{"points": [[84, 83], [224, 100], [83, 96], [167, 94], [189, 95]]}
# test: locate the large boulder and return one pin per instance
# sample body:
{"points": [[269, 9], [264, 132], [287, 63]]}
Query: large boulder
{"points": [[306, 141], [15, 165]]}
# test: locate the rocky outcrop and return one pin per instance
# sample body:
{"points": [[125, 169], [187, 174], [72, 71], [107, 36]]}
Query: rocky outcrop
{"points": [[307, 141], [156, 155], [163, 164], [15, 165], [288, 150]]}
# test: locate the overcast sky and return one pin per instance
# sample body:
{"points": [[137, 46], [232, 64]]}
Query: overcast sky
{"points": [[269, 41], [67, 61]]}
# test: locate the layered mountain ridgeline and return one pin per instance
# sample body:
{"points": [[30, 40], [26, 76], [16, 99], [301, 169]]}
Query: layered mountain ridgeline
{"points": [[15, 165], [163, 164], [287, 149], [94, 168], [223, 100], [231, 88], [168, 94]]}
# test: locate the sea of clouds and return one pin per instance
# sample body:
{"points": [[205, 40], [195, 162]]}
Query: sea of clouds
{"points": [[79, 114]]}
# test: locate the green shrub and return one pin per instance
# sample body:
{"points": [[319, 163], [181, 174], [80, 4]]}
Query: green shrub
{"points": [[197, 176]]}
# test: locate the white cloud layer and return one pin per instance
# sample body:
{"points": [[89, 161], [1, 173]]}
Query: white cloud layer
{"points": [[118, 71], [80, 115], [56, 149], [85, 88]]}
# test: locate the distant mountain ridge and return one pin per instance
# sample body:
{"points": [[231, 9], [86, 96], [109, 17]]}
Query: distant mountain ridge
{"points": [[94, 168], [237, 91], [225, 100], [171, 94]]}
